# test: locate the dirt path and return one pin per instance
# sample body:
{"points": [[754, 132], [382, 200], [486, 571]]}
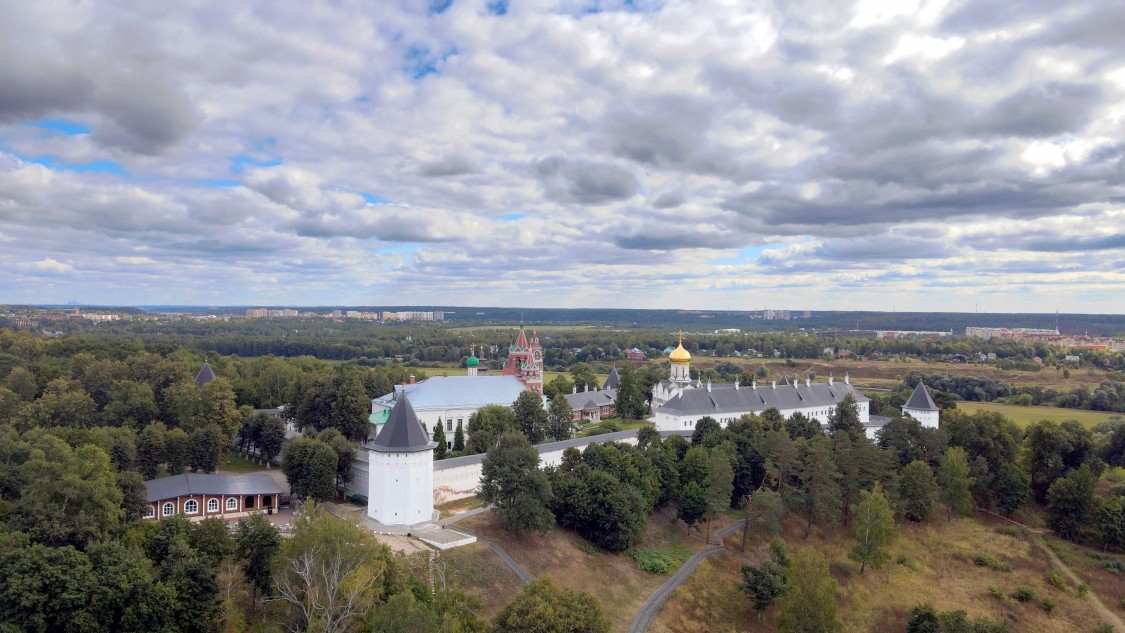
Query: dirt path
{"points": [[656, 601], [1037, 536]]}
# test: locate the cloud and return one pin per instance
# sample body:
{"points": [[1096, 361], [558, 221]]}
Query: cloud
{"points": [[584, 182], [47, 265]]}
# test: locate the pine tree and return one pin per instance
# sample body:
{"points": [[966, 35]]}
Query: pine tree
{"points": [[873, 526], [916, 491], [439, 437], [820, 481], [459, 439], [720, 485]]}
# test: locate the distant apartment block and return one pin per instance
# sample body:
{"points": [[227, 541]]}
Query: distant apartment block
{"points": [[366, 316], [1051, 336], [257, 313], [101, 317], [1005, 332], [413, 316], [776, 315]]}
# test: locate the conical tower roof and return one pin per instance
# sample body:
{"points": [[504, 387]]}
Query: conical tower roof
{"points": [[402, 432], [920, 400], [612, 380], [205, 375]]}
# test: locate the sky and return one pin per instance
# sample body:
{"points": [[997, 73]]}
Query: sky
{"points": [[910, 155]]}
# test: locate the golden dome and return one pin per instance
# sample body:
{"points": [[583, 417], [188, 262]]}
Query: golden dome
{"points": [[680, 355]]}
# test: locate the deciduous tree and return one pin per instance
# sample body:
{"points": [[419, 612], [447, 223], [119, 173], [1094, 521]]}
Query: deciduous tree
{"points": [[873, 526], [916, 491], [543, 607], [809, 604], [955, 482], [512, 481], [558, 419]]}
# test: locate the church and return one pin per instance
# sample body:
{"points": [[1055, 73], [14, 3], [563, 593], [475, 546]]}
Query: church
{"points": [[678, 402]]}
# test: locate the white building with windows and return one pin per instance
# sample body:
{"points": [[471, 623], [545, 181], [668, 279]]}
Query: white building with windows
{"points": [[921, 407], [401, 465]]}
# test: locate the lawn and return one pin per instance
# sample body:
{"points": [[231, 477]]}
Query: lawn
{"points": [[232, 462], [1025, 416]]}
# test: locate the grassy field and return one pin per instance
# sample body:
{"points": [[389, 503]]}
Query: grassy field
{"points": [[1024, 416], [232, 462], [571, 562], [930, 563]]}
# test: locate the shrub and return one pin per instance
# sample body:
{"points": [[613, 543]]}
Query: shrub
{"points": [[1048, 605], [997, 593], [1024, 594], [991, 562], [1056, 580], [1114, 567], [1083, 589], [589, 548], [1009, 530], [654, 561]]}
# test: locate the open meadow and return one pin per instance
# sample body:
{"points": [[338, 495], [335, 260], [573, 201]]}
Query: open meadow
{"points": [[1024, 416]]}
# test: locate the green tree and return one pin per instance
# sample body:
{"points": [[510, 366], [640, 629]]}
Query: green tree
{"points": [[22, 382], [131, 404], [873, 526], [45, 589], [512, 481], [583, 376], [768, 509], [693, 503], [558, 419], [1109, 521], [630, 394], [820, 481], [1069, 501], [845, 418], [765, 584], [217, 406], [719, 485], [310, 468], [207, 446], [350, 408], [270, 438], [809, 604], [486, 426], [151, 449], [1011, 488], [256, 543], [134, 495], [799, 425], [345, 453], [439, 437], [559, 385], [916, 491], [179, 404], [459, 439], [331, 574], [955, 482], [196, 605], [543, 607], [177, 450], [530, 417], [211, 539]]}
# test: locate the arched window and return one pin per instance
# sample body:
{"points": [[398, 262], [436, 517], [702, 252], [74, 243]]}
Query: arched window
{"points": [[150, 512], [232, 504], [191, 506], [212, 505], [168, 509]]}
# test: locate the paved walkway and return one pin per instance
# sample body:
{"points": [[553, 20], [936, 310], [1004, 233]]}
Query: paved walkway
{"points": [[656, 601]]}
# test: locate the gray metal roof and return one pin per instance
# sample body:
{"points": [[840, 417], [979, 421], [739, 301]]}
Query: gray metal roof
{"points": [[402, 432], [725, 398], [920, 400], [590, 399], [613, 378], [456, 392], [205, 375], [201, 484]]}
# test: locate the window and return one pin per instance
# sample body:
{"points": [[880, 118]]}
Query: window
{"points": [[449, 424], [150, 512], [212, 505], [232, 504], [167, 509], [191, 506]]}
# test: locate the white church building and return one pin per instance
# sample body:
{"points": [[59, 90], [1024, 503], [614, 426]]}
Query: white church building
{"points": [[678, 402]]}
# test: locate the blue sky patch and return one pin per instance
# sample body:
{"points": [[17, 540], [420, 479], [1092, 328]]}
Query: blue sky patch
{"points": [[373, 199], [439, 6], [239, 163], [62, 126], [498, 7], [512, 217], [105, 166]]}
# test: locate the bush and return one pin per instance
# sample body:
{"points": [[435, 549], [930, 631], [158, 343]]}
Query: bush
{"points": [[1024, 594], [1048, 605], [1083, 589], [1114, 567], [997, 593], [991, 562], [657, 560], [1056, 580]]}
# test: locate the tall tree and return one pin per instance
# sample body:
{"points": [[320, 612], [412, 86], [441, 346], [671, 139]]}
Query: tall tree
{"points": [[873, 526], [558, 419], [1011, 488], [269, 438], [217, 406], [512, 481], [256, 543], [345, 453], [800, 425], [1069, 501], [809, 604], [310, 468], [331, 573], [955, 482], [439, 438], [916, 491], [22, 382], [350, 408], [486, 426], [530, 417], [764, 583], [820, 481], [459, 439], [693, 503], [845, 418], [150, 449], [543, 607], [630, 394], [207, 446], [584, 377], [177, 450], [1109, 521], [720, 484]]}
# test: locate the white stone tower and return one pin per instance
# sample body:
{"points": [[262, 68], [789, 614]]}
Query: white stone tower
{"points": [[921, 407], [400, 483]]}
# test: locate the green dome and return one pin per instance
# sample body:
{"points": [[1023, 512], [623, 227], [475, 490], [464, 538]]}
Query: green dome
{"points": [[472, 362]]}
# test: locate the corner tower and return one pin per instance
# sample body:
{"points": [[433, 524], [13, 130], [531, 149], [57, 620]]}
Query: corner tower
{"points": [[400, 484], [921, 407]]}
